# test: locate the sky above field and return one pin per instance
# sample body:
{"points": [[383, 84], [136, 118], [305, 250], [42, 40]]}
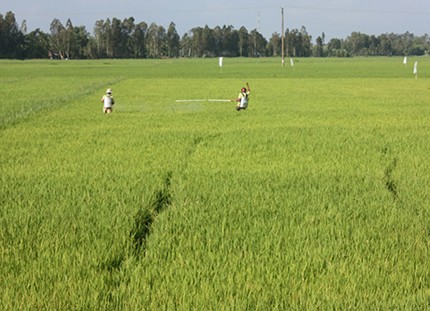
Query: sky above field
{"points": [[336, 18]]}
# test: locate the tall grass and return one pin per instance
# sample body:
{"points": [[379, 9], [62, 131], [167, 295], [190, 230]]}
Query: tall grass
{"points": [[316, 197]]}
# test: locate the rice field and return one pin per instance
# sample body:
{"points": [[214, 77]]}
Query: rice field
{"points": [[316, 197]]}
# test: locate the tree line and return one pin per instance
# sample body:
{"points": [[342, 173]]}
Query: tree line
{"points": [[115, 38]]}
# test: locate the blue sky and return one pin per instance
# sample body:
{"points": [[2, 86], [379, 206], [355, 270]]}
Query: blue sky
{"points": [[336, 18]]}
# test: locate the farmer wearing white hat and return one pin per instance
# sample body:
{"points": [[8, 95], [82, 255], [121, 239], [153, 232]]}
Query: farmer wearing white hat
{"points": [[108, 101]]}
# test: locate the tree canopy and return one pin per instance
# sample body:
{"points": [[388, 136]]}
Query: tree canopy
{"points": [[114, 38]]}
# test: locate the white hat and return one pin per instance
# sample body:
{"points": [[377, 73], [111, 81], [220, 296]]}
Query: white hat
{"points": [[108, 91]]}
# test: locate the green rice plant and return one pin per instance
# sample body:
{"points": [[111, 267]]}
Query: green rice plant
{"points": [[316, 197]]}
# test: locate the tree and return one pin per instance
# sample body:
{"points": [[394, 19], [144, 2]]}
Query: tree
{"points": [[319, 49], [292, 42], [186, 45], [81, 39], [98, 45], [275, 45], [243, 41], [373, 45], [258, 44], [90, 50], [385, 45], [11, 39], [58, 39], [120, 39], [231, 43], [196, 37], [333, 47], [107, 31], [155, 41], [304, 43], [127, 42], [218, 41], [23, 28], [117, 40], [138, 40], [173, 45], [69, 40], [419, 45], [207, 42], [357, 43], [37, 43], [162, 42]]}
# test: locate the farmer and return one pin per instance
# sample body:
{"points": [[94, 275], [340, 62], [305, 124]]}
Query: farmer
{"points": [[242, 99], [108, 101]]}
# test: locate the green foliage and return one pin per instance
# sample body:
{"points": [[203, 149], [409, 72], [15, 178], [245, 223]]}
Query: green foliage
{"points": [[127, 39], [316, 197]]}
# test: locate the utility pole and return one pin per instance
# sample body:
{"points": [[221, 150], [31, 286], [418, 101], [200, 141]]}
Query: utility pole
{"points": [[283, 34]]}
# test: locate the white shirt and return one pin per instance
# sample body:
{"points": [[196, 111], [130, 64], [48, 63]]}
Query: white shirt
{"points": [[108, 101]]}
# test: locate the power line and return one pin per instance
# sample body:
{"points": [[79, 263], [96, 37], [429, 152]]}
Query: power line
{"points": [[361, 10]]}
